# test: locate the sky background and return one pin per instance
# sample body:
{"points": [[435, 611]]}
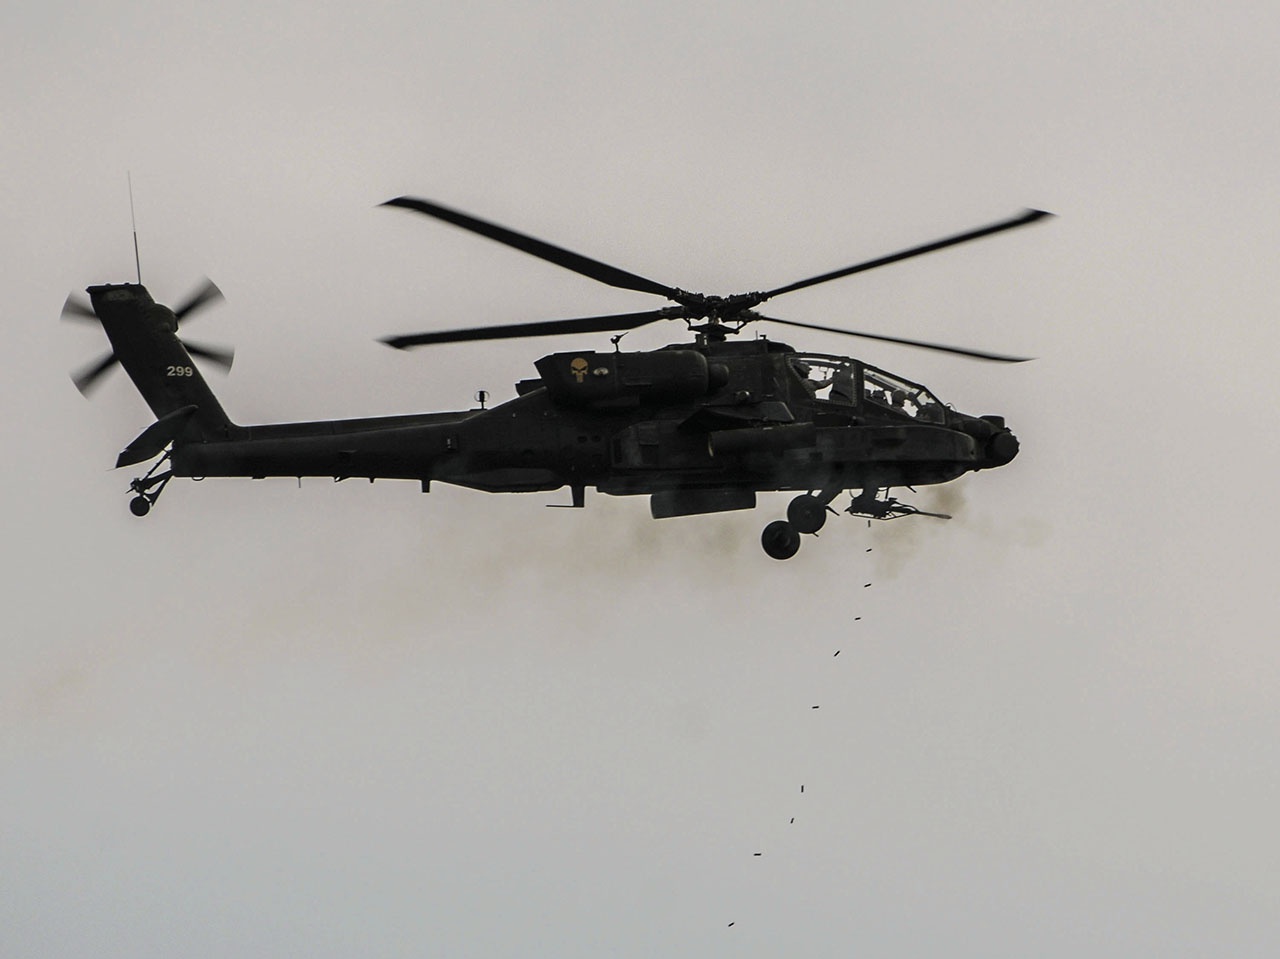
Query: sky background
{"points": [[356, 720]]}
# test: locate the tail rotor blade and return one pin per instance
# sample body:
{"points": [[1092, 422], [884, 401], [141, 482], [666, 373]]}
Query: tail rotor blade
{"points": [[88, 378], [206, 294], [78, 310], [214, 354]]}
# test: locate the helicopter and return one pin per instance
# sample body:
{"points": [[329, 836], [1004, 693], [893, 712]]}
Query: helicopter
{"points": [[700, 426]]}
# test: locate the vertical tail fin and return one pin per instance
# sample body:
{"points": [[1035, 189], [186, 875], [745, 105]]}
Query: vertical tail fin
{"points": [[144, 338]]}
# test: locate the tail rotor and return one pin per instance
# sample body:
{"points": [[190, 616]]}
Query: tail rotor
{"points": [[77, 310]]}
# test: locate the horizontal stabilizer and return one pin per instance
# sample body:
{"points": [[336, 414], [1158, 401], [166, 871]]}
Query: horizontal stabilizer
{"points": [[152, 441]]}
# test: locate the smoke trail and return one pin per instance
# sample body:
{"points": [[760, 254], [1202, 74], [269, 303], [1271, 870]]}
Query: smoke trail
{"points": [[900, 542]]}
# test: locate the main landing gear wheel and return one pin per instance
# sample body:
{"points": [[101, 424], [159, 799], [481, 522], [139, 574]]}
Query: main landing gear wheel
{"points": [[807, 513], [140, 506], [780, 539]]}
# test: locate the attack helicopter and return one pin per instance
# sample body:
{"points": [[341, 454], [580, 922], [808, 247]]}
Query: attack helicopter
{"points": [[700, 426]]}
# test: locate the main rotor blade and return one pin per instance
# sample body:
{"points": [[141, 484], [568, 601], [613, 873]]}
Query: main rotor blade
{"points": [[88, 378], [204, 295], [77, 309], [539, 248], [1022, 219], [214, 354], [586, 324], [922, 344]]}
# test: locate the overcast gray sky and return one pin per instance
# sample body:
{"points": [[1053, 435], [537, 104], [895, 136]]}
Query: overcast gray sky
{"points": [[356, 720]]}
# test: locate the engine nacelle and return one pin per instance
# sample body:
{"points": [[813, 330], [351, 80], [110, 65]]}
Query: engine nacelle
{"points": [[627, 380]]}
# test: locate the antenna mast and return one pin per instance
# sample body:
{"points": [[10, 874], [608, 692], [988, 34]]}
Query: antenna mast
{"points": [[137, 261]]}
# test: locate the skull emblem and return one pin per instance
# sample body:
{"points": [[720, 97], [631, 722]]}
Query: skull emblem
{"points": [[578, 367]]}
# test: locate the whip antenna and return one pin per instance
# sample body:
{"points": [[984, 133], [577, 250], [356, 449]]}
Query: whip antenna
{"points": [[137, 262]]}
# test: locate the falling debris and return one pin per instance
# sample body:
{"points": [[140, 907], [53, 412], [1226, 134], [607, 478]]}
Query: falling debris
{"points": [[802, 788], [815, 707], [856, 618], [757, 854], [793, 818], [868, 549], [837, 654], [730, 924], [865, 585]]}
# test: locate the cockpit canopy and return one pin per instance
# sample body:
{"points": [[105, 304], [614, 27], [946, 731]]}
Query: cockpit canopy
{"points": [[841, 380]]}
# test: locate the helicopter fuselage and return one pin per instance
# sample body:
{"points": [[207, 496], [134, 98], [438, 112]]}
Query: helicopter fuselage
{"points": [[727, 418]]}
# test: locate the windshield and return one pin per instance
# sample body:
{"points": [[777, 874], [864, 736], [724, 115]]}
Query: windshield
{"points": [[839, 379], [885, 389]]}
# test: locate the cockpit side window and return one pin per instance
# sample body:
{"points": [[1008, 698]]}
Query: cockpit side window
{"points": [[829, 378]]}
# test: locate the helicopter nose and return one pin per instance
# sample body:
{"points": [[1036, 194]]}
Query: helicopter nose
{"points": [[997, 444], [1002, 448]]}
